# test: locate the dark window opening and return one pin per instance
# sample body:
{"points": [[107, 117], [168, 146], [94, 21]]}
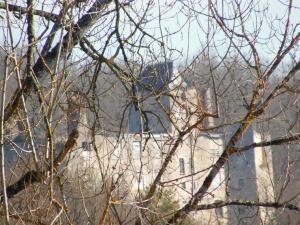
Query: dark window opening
{"points": [[86, 146], [181, 166]]}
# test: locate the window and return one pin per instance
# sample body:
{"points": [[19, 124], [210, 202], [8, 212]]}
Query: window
{"points": [[181, 166], [183, 186], [136, 149], [192, 169], [219, 212], [86, 146]]}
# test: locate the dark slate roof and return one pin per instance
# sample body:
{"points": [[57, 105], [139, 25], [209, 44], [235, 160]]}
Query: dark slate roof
{"points": [[156, 76]]}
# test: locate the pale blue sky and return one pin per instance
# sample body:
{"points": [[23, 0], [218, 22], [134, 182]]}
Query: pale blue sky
{"points": [[189, 32], [192, 37]]}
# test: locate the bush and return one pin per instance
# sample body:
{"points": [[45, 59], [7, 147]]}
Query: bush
{"points": [[163, 206]]}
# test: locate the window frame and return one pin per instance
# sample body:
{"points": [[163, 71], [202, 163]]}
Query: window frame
{"points": [[181, 166]]}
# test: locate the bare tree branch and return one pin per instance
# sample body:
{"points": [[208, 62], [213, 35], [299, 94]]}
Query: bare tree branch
{"points": [[22, 10], [219, 204], [34, 176], [49, 60], [278, 141]]}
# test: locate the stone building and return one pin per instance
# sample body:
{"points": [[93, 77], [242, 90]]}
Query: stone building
{"points": [[267, 174], [131, 160]]}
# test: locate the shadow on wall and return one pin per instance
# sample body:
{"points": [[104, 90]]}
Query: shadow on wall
{"points": [[241, 173]]}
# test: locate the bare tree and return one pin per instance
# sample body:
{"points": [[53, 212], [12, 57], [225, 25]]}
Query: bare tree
{"points": [[97, 124]]}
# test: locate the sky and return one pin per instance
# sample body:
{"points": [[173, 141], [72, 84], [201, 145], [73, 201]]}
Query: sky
{"points": [[181, 25], [193, 36]]}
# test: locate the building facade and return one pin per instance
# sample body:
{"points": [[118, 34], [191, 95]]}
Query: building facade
{"points": [[131, 160]]}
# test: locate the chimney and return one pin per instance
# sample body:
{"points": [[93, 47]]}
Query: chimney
{"points": [[205, 104], [209, 107]]}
